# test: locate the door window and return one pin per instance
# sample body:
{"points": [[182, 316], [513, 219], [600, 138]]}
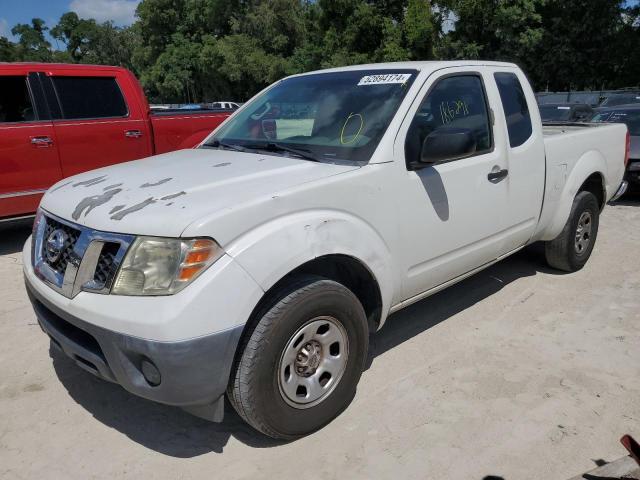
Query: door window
{"points": [[15, 100], [90, 97], [515, 108], [455, 103]]}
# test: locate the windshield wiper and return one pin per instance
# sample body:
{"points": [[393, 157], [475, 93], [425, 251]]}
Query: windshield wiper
{"points": [[231, 146], [278, 147]]}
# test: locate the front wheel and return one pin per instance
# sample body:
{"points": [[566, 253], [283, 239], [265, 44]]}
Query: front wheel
{"points": [[299, 368], [570, 250]]}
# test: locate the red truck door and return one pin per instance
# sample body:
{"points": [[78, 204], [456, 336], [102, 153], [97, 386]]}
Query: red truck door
{"points": [[29, 162], [100, 121]]}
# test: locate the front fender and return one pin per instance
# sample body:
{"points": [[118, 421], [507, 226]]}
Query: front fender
{"points": [[274, 249], [588, 164]]}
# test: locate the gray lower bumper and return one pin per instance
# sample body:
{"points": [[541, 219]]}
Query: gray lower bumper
{"points": [[193, 374]]}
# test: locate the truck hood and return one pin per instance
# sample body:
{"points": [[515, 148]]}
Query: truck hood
{"points": [[162, 195]]}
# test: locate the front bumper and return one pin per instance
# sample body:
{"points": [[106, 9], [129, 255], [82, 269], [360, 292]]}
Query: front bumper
{"points": [[188, 339], [192, 373]]}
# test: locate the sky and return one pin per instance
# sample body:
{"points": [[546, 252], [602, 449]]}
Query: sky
{"points": [[121, 12]]}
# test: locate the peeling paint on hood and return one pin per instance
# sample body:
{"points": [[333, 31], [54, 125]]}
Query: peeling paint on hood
{"points": [[162, 195], [89, 203]]}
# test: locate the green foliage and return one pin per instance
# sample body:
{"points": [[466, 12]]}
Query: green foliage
{"points": [[419, 30], [584, 45], [494, 29], [32, 45], [89, 42], [8, 50], [204, 50]]}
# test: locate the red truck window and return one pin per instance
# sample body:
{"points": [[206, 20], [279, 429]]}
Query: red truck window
{"points": [[15, 101], [90, 97]]}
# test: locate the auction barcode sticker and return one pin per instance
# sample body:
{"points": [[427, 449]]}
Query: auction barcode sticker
{"points": [[384, 79]]}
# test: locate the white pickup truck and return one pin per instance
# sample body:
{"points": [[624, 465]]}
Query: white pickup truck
{"points": [[258, 264]]}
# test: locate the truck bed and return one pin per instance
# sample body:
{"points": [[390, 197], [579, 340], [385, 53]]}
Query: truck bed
{"points": [[174, 130], [569, 149], [558, 128]]}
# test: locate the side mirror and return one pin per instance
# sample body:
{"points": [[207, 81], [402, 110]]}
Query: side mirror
{"points": [[446, 144]]}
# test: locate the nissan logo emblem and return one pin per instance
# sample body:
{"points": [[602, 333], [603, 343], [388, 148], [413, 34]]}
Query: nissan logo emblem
{"points": [[55, 244]]}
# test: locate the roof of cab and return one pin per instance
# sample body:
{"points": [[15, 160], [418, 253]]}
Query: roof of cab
{"points": [[419, 65]]}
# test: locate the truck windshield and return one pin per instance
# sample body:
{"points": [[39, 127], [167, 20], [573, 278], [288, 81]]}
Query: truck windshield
{"points": [[328, 116]]}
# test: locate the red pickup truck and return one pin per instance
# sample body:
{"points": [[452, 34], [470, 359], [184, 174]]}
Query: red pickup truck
{"points": [[57, 120]]}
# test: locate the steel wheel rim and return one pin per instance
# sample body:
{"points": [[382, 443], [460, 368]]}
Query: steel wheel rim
{"points": [[313, 362], [583, 233]]}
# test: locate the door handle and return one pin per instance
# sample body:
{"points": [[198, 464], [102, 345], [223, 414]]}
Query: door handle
{"points": [[41, 141], [132, 133], [496, 175]]}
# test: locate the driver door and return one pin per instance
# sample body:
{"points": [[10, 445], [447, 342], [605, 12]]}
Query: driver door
{"points": [[454, 207]]}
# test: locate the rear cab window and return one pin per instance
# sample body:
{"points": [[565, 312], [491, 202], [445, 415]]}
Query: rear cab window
{"points": [[16, 104], [516, 110], [90, 97]]}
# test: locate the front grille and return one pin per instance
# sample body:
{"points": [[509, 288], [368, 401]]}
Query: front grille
{"points": [[72, 235], [106, 266], [95, 254]]}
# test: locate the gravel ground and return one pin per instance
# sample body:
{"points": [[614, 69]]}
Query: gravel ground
{"points": [[518, 372]]}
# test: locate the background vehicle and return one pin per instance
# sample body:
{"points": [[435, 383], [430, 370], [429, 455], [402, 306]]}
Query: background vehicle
{"points": [[59, 120], [621, 98], [585, 98], [258, 264], [223, 105], [565, 112], [630, 116]]}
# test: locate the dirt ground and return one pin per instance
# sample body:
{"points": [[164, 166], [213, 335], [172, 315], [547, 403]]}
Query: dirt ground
{"points": [[518, 372]]}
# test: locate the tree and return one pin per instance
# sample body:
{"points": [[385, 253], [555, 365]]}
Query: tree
{"points": [[493, 29], [419, 30], [8, 51], [201, 50], [32, 45], [584, 44]]}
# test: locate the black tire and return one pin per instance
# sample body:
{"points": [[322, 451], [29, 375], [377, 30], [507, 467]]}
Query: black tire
{"points": [[254, 390], [561, 252]]}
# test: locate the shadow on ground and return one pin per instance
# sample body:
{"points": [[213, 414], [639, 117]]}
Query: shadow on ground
{"points": [[172, 432], [13, 236]]}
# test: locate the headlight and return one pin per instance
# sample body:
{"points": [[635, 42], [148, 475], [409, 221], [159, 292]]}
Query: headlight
{"points": [[163, 266]]}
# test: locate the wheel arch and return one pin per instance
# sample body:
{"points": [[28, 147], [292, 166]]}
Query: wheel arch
{"points": [[344, 269], [588, 174]]}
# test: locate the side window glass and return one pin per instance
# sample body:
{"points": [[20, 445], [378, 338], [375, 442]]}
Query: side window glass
{"points": [[90, 97], [15, 100], [515, 108], [452, 122]]}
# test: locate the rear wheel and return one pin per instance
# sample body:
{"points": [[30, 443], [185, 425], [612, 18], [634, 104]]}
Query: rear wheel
{"points": [[570, 250], [299, 367]]}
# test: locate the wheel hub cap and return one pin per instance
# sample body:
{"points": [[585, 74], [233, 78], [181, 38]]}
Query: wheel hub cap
{"points": [[583, 233], [313, 362], [308, 358]]}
